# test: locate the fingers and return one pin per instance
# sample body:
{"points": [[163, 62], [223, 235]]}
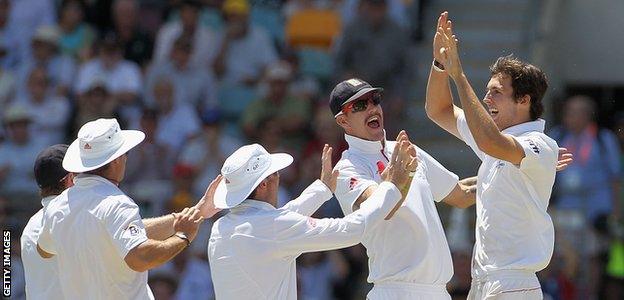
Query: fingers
{"points": [[395, 153], [335, 174]]}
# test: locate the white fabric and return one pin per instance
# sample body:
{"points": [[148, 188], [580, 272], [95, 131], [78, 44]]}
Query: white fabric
{"points": [[19, 159], [252, 249], [244, 170], [410, 247], [125, 76], [513, 229], [507, 285], [408, 291], [99, 142], [91, 227], [42, 275], [49, 118]]}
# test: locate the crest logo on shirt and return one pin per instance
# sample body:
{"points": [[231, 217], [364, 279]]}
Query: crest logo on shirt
{"points": [[87, 146], [133, 229], [380, 167], [352, 183]]}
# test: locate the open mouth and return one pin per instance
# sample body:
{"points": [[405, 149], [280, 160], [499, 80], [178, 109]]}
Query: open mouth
{"points": [[493, 112], [373, 122]]}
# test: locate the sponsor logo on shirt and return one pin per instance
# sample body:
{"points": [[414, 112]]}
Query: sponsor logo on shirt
{"points": [[534, 146], [133, 230]]}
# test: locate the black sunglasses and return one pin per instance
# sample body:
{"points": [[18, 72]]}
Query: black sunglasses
{"points": [[362, 103]]}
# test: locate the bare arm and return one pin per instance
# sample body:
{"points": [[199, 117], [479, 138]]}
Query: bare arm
{"points": [[439, 100], [152, 253], [485, 132], [159, 228], [464, 194]]}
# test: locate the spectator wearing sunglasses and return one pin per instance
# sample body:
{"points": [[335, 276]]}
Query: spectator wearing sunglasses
{"points": [[409, 257]]}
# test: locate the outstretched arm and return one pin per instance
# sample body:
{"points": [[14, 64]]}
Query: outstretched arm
{"points": [[439, 100], [464, 194], [485, 132]]}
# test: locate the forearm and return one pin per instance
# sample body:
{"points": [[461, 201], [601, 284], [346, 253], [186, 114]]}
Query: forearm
{"points": [[310, 199], [463, 195], [152, 253], [159, 228], [439, 99]]}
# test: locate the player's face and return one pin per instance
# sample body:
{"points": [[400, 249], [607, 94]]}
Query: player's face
{"points": [[500, 103], [364, 117]]}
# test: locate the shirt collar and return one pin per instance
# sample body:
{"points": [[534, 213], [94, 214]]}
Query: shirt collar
{"points": [[250, 203], [537, 125], [364, 146], [82, 179], [46, 200]]}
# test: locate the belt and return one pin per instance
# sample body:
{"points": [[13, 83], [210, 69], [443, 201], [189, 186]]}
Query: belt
{"points": [[504, 274], [419, 287]]}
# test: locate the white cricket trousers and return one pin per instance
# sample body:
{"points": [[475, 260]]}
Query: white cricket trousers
{"points": [[408, 291], [506, 285]]}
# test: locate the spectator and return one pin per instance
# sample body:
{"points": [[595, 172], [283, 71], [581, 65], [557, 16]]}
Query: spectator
{"points": [[7, 77], [17, 155], [137, 44], [77, 37], [292, 114], [397, 11], [148, 170], [163, 285], [182, 196], [382, 60], [245, 50], [9, 56], [586, 192], [208, 150], [195, 280], [178, 121], [317, 273], [61, 69], [188, 25], [26, 16], [193, 85], [93, 103], [122, 77], [49, 112]]}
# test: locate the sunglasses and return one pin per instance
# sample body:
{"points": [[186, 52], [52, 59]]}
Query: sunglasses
{"points": [[361, 104]]}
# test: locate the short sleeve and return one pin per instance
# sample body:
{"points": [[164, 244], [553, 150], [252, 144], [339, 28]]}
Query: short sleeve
{"points": [[45, 241], [538, 154], [441, 181], [352, 182], [466, 135], [125, 227]]}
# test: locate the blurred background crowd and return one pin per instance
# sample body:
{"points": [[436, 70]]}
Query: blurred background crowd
{"points": [[203, 77]]}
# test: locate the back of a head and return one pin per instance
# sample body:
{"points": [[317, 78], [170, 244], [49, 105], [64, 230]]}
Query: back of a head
{"points": [[526, 79], [48, 170]]}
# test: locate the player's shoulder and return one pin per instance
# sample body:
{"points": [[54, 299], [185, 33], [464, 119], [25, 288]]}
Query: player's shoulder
{"points": [[350, 159], [540, 140]]}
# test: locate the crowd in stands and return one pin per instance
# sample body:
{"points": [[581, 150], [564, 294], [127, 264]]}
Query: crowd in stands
{"points": [[204, 77]]}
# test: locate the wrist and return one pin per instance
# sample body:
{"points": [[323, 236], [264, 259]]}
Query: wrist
{"points": [[184, 237], [438, 66]]}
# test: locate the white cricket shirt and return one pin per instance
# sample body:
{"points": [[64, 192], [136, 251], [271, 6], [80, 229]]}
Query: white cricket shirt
{"points": [[253, 248], [41, 275], [90, 228], [410, 247], [513, 230]]}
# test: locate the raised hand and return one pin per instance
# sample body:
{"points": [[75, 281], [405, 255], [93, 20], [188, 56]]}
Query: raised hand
{"points": [[437, 38], [328, 177], [402, 136], [564, 159], [397, 171], [449, 54], [188, 222], [205, 205]]}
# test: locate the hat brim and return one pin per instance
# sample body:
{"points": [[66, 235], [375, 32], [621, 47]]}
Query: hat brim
{"points": [[72, 162], [361, 93], [225, 198]]}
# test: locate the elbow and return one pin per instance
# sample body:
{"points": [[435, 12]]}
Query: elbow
{"points": [[137, 265], [138, 260]]}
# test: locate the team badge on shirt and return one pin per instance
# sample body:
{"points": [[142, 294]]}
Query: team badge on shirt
{"points": [[133, 230], [352, 183]]}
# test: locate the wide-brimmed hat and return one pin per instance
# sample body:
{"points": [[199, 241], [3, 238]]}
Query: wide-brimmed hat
{"points": [[99, 142], [244, 170]]}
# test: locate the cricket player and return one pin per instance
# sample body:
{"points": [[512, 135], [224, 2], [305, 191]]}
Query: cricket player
{"points": [[514, 233], [41, 275], [409, 257], [103, 247], [253, 248]]}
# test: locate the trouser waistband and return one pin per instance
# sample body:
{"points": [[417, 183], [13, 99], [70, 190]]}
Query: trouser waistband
{"points": [[505, 274], [434, 288]]}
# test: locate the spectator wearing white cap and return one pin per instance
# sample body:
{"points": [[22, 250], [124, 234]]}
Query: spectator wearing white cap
{"points": [[49, 112], [17, 154], [61, 69], [252, 249], [41, 275], [103, 246]]}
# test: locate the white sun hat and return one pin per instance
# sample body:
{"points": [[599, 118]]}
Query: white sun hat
{"points": [[99, 142], [244, 170]]}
